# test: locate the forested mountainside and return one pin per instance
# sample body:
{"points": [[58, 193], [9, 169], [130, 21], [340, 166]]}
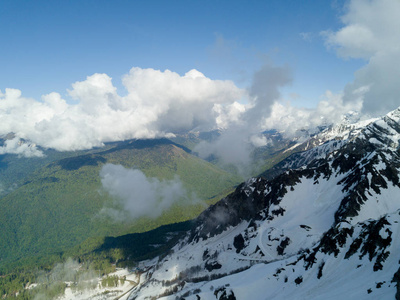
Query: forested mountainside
{"points": [[59, 205]]}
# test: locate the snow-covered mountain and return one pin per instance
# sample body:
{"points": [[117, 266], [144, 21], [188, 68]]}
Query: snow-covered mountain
{"points": [[319, 142], [327, 229]]}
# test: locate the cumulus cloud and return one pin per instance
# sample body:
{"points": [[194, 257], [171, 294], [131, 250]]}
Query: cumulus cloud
{"points": [[138, 195], [330, 110], [157, 104], [228, 114], [370, 32], [176, 102]]}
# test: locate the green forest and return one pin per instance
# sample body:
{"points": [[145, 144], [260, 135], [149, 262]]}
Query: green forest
{"points": [[53, 213]]}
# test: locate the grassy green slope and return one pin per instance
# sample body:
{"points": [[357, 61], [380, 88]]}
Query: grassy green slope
{"points": [[58, 207]]}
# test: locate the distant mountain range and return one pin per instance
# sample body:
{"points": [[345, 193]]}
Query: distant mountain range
{"points": [[322, 224]]}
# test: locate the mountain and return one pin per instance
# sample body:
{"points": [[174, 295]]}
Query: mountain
{"points": [[317, 144], [58, 205], [326, 230], [15, 168]]}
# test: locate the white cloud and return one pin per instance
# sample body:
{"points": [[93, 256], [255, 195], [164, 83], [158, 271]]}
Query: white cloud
{"points": [[157, 104], [228, 114], [371, 32], [21, 148], [330, 110], [232, 147], [176, 102], [95, 94], [235, 144], [138, 195]]}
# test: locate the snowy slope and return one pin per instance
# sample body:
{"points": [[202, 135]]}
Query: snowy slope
{"points": [[319, 145], [330, 277], [327, 230]]}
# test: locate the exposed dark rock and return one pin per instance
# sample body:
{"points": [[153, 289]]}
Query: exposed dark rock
{"points": [[305, 227], [282, 245], [222, 294], [298, 280], [205, 254], [334, 238], [320, 268], [238, 243], [372, 243], [243, 204], [212, 266], [396, 279]]}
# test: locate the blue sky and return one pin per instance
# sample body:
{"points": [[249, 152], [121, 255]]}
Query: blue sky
{"points": [[48, 45]]}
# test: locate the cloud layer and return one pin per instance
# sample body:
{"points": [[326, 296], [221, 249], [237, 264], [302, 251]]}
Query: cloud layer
{"points": [[137, 195], [157, 104], [330, 110], [267, 110], [371, 32]]}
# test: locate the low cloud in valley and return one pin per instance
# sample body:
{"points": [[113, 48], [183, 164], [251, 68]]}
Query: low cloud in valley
{"points": [[139, 196]]}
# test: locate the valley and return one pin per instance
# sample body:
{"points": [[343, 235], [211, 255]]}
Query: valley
{"points": [[58, 208]]}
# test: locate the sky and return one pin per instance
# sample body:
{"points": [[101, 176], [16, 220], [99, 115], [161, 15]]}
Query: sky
{"points": [[48, 45], [77, 74]]}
